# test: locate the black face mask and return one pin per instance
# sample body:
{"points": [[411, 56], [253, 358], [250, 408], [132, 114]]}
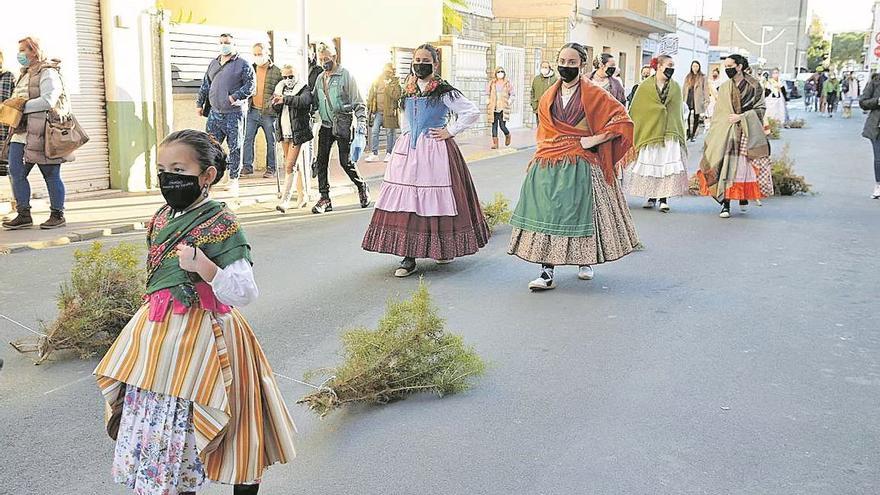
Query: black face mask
{"points": [[730, 71], [568, 74], [609, 71], [328, 65], [179, 191], [668, 72], [423, 70]]}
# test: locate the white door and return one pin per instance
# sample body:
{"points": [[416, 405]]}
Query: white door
{"points": [[514, 62]]}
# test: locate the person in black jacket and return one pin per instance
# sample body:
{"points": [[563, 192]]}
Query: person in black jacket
{"points": [[292, 101], [870, 100], [647, 72]]}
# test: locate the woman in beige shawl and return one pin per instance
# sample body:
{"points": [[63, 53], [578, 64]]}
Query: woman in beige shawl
{"points": [[736, 144]]}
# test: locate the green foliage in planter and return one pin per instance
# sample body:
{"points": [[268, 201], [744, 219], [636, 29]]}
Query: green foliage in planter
{"points": [[796, 123], [409, 353], [785, 181], [104, 291], [497, 212], [774, 128]]}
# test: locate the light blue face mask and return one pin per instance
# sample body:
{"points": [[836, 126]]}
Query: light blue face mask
{"points": [[225, 49], [23, 60]]}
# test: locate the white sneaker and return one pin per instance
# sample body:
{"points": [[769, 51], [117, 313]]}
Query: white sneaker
{"points": [[443, 262], [585, 272], [541, 283], [724, 214], [373, 158], [387, 158], [664, 207], [233, 188], [758, 202], [744, 208], [649, 203], [283, 206], [876, 194]]}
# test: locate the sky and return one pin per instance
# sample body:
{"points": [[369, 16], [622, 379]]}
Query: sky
{"points": [[855, 17]]}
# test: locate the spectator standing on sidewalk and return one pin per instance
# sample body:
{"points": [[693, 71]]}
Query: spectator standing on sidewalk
{"points": [[852, 89], [261, 114], [292, 100], [540, 84], [870, 101], [501, 95], [809, 93], [382, 103], [41, 86], [223, 98], [339, 103], [647, 71], [7, 85]]}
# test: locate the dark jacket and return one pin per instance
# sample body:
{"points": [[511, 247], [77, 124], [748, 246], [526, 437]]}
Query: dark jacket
{"points": [[314, 72], [868, 101], [299, 107], [273, 77], [234, 78]]}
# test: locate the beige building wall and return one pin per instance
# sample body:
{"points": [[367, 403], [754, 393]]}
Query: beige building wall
{"points": [[533, 9], [597, 37]]}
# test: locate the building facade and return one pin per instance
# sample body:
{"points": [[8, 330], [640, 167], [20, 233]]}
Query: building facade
{"points": [[773, 33]]}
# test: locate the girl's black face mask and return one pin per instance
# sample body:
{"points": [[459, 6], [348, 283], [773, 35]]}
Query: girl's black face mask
{"points": [[180, 191], [423, 70], [730, 71], [568, 74]]}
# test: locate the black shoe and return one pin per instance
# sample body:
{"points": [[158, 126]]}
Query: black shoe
{"points": [[21, 221], [56, 219], [322, 206], [364, 196], [407, 268], [245, 489], [269, 174], [246, 172]]}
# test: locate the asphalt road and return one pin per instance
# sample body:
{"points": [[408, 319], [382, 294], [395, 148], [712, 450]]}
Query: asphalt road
{"points": [[731, 356]]}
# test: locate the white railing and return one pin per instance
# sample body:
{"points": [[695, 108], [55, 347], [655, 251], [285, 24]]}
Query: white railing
{"points": [[478, 7]]}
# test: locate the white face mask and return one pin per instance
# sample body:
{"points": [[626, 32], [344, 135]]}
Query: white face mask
{"points": [[260, 59], [546, 72]]}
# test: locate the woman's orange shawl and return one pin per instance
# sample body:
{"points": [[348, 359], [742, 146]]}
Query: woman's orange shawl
{"points": [[559, 142]]}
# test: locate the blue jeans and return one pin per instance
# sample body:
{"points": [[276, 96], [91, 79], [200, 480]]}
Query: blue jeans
{"points": [[229, 127], [21, 188], [378, 120], [876, 144], [255, 121]]}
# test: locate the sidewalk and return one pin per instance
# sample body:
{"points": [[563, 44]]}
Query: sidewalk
{"points": [[105, 213]]}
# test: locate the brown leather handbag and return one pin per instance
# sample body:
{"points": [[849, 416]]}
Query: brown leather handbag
{"points": [[11, 112], [64, 134]]}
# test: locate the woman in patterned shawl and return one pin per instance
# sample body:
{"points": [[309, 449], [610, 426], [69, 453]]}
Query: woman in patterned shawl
{"points": [[736, 149], [571, 210], [191, 397]]}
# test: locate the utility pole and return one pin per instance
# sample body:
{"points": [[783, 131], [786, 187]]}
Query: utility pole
{"points": [[798, 37]]}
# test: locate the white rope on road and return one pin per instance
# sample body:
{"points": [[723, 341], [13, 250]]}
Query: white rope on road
{"points": [[29, 329]]}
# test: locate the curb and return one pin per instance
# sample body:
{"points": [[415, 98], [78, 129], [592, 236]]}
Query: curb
{"points": [[125, 228]]}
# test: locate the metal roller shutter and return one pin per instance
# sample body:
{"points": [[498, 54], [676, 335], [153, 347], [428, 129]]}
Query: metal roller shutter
{"points": [[91, 169]]}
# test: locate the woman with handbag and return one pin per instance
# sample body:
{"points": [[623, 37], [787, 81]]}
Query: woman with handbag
{"points": [[41, 86], [292, 100]]}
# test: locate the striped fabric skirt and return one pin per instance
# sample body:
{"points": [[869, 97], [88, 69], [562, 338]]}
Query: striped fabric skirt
{"points": [[206, 377]]}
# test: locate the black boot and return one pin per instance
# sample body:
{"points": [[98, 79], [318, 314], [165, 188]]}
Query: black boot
{"points": [[21, 221], [245, 489], [56, 219]]}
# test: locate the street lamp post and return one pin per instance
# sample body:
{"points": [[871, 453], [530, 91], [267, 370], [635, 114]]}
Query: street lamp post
{"points": [[785, 64], [764, 30]]}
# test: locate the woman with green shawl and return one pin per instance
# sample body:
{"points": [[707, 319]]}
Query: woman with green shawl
{"points": [[658, 169]]}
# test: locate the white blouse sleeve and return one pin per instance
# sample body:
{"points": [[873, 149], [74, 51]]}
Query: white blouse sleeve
{"points": [[235, 284], [466, 112]]}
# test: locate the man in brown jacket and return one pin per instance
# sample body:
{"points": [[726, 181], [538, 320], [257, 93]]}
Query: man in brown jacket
{"points": [[383, 105]]}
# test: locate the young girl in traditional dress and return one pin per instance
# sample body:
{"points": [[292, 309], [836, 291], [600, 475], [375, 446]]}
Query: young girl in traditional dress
{"points": [[428, 206], [192, 398], [658, 169], [571, 210]]}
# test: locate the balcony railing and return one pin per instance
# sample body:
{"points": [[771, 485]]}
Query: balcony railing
{"points": [[478, 7], [645, 15]]}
